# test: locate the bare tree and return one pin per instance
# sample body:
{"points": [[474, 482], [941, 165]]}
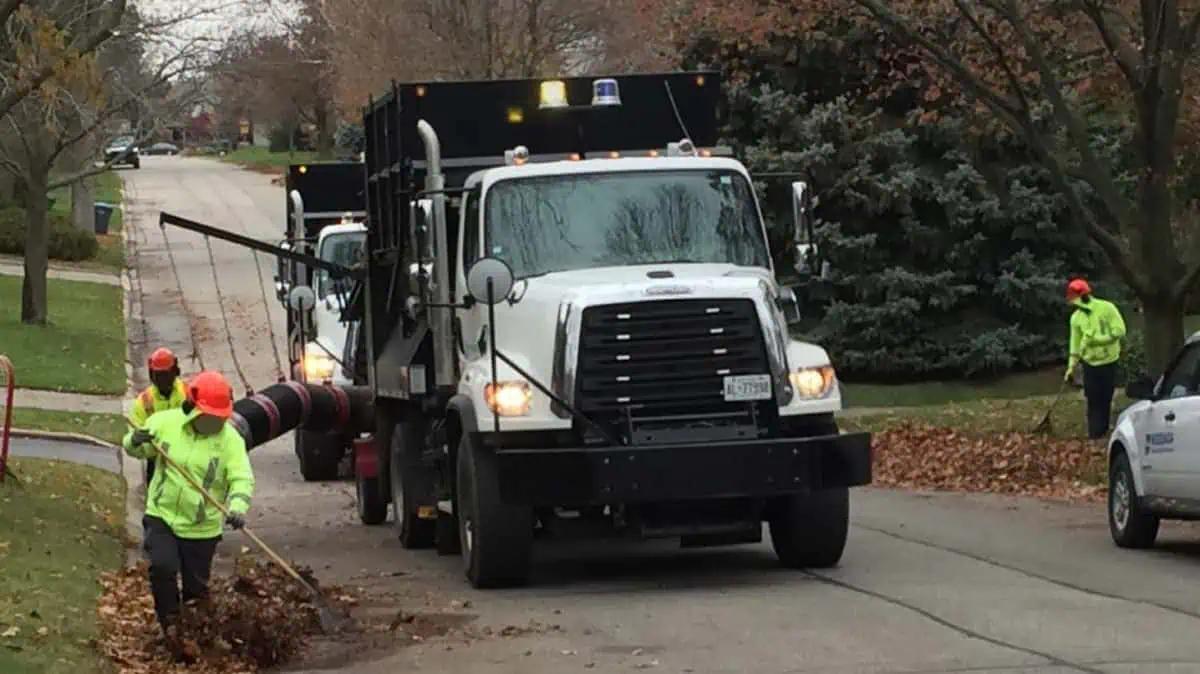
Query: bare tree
{"points": [[48, 136], [63, 42]]}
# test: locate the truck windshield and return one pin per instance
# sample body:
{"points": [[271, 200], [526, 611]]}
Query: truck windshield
{"points": [[344, 249], [558, 223]]}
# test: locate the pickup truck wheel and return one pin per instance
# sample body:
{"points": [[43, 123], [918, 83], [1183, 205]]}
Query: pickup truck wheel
{"points": [[496, 538], [319, 454], [372, 504], [414, 533], [809, 530], [1130, 525]]}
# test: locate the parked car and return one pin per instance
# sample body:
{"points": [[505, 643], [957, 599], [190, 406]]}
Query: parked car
{"points": [[1154, 453], [162, 148], [123, 150]]}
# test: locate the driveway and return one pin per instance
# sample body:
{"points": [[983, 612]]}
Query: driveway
{"points": [[929, 583]]}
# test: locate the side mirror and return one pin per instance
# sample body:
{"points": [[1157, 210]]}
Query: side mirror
{"points": [[789, 305], [1140, 389], [282, 289], [489, 280], [302, 298], [803, 204]]}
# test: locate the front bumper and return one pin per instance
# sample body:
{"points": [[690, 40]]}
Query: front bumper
{"points": [[735, 469]]}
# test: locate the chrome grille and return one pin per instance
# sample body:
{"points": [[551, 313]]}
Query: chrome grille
{"points": [[650, 361]]}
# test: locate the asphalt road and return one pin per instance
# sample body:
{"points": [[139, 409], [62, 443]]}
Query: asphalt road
{"points": [[929, 583]]}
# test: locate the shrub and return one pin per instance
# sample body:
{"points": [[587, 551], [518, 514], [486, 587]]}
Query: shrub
{"points": [[280, 138], [67, 242]]}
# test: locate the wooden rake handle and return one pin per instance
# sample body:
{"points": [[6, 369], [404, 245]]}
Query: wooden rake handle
{"points": [[225, 511]]}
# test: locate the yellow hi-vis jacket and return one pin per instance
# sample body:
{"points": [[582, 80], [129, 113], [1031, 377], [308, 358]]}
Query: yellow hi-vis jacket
{"points": [[218, 462], [150, 401], [1096, 333]]}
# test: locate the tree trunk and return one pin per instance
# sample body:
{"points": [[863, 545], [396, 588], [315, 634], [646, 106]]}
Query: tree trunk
{"points": [[37, 251], [83, 212], [324, 131], [8, 188], [1163, 332]]}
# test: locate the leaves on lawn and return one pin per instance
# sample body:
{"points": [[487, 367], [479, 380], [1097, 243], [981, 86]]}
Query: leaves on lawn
{"points": [[916, 456], [257, 618]]}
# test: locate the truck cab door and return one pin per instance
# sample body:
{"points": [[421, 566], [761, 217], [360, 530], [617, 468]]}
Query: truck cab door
{"points": [[469, 323], [1171, 436]]}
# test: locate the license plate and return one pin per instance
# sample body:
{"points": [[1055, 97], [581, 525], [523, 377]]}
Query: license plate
{"points": [[740, 388]]}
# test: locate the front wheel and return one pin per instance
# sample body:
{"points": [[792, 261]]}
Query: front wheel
{"points": [[320, 455], [1130, 525], [809, 530], [496, 538]]}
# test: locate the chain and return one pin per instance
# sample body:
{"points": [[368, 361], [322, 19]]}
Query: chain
{"points": [[237, 364], [262, 286], [199, 359]]}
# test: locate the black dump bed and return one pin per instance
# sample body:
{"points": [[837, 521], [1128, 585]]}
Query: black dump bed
{"points": [[329, 190], [476, 122]]}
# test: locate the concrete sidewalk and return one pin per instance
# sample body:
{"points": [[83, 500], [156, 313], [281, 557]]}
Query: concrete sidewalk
{"points": [[10, 266], [68, 402], [106, 458]]}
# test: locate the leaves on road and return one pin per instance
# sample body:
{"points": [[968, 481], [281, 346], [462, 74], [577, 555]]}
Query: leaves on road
{"points": [[257, 618], [916, 456]]}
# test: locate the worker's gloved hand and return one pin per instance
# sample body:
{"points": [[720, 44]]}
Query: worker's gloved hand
{"points": [[1070, 373], [235, 521], [142, 436]]}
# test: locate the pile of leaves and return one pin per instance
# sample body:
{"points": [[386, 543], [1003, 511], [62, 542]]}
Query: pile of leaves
{"points": [[257, 618], [915, 456]]}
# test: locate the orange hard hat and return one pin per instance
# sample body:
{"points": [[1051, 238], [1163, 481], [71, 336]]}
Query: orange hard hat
{"points": [[1078, 288], [211, 394], [162, 360]]}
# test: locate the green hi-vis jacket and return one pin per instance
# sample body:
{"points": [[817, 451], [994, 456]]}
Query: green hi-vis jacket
{"points": [[1096, 333], [151, 401], [218, 461]]}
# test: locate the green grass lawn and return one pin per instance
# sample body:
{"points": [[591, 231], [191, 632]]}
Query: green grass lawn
{"points": [[60, 531], [1045, 382], [989, 415], [107, 427], [262, 159], [82, 348]]}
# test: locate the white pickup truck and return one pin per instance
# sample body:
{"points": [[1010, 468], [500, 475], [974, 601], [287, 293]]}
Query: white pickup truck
{"points": [[1154, 453]]}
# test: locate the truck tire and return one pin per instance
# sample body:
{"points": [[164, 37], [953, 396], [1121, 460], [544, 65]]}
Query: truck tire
{"points": [[320, 455], [414, 533], [809, 530], [496, 538], [1130, 525], [372, 504]]}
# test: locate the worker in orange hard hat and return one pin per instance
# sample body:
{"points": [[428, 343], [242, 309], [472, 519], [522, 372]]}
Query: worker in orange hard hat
{"points": [[182, 528], [166, 392], [1096, 333]]}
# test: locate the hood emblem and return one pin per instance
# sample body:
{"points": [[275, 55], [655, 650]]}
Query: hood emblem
{"points": [[659, 291]]}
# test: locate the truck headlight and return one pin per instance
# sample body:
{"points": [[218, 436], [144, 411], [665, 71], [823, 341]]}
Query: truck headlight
{"points": [[812, 382], [508, 398], [318, 365]]}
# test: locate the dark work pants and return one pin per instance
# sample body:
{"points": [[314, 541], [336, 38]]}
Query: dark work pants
{"points": [[149, 471], [172, 557], [1099, 381]]}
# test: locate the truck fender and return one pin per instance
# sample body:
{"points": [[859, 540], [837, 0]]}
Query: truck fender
{"points": [[460, 416], [1124, 439]]}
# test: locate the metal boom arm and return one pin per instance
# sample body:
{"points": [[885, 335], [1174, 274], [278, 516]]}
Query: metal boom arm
{"points": [[334, 269]]}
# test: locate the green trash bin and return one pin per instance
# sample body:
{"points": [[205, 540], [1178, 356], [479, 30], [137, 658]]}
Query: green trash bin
{"points": [[103, 214]]}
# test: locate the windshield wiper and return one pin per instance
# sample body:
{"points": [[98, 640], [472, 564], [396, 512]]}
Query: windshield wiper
{"points": [[676, 261]]}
